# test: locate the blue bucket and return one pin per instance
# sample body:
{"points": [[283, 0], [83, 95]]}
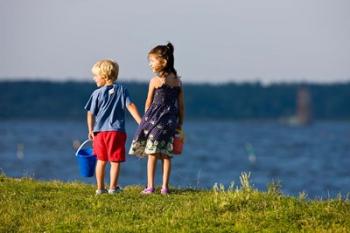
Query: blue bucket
{"points": [[86, 160]]}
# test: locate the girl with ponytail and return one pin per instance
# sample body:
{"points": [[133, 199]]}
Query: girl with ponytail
{"points": [[164, 113]]}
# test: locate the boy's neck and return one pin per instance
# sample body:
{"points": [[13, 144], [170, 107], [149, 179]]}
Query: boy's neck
{"points": [[109, 83]]}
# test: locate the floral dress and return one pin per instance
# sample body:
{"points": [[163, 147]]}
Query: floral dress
{"points": [[156, 131]]}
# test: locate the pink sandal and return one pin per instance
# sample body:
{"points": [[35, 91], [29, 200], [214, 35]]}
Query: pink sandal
{"points": [[164, 191], [148, 191]]}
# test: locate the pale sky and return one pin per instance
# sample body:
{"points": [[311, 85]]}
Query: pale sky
{"points": [[215, 41]]}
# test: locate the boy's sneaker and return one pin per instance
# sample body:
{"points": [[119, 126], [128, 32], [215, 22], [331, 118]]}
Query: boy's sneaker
{"points": [[148, 191], [114, 191], [164, 191], [101, 191]]}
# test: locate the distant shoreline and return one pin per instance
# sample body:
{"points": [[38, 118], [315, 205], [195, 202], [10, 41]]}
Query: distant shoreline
{"points": [[246, 101]]}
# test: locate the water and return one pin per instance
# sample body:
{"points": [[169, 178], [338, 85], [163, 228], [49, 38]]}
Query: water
{"points": [[313, 159]]}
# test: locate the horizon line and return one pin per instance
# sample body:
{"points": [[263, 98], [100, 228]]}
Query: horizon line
{"points": [[191, 82]]}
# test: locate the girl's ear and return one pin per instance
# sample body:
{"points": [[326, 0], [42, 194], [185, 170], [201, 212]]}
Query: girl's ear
{"points": [[164, 62]]}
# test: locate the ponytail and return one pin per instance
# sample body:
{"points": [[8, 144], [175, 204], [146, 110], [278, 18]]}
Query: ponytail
{"points": [[170, 47]]}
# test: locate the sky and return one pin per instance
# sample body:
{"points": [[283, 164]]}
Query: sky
{"points": [[215, 41]]}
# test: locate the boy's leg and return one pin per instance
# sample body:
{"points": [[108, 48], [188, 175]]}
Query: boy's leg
{"points": [[114, 175], [100, 174], [166, 171], [151, 169]]}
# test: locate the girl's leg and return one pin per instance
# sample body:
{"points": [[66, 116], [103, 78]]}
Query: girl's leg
{"points": [[151, 169], [166, 171], [100, 174], [114, 175]]}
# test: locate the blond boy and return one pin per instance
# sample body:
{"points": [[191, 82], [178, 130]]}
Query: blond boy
{"points": [[106, 122]]}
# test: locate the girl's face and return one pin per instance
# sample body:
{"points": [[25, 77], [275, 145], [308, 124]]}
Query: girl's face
{"points": [[100, 81], [156, 63]]}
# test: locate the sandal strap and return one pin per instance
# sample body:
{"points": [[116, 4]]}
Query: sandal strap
{"points": [[148, 190]]}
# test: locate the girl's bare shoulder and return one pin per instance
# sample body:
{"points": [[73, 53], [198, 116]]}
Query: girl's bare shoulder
{"points": [[158, 81], [154, 81]]}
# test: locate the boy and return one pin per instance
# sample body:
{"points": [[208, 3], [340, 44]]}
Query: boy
{"points": [[106, 122]]}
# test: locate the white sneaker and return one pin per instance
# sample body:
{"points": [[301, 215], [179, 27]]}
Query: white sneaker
{"points": [[114, 191], [101, 191]]}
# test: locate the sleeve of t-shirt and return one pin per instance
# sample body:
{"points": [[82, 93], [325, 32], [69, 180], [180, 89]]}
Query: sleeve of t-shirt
{"points": [[92, 105], [127, 97]]}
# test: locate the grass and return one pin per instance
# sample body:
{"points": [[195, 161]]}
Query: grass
{"points": [[28, 205]]}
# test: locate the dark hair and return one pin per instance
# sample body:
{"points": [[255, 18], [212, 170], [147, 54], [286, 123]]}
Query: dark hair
{"points": [[165, 52]]}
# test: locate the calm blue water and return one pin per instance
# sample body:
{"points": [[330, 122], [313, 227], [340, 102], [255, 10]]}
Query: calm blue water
{"points": [[313, 159]]}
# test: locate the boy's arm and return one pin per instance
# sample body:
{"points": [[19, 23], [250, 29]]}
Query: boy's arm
{"points": [[134, 112], [181, 103], [90, 124]]}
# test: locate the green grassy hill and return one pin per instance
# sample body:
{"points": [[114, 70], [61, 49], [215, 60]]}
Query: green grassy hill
{"points": [[34, 206]]}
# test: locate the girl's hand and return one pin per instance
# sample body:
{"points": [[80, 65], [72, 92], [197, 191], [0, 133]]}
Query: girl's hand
{"points": [[91, 135]]}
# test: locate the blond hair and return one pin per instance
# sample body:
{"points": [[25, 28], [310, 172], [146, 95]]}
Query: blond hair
{"points": [[107, 69]]}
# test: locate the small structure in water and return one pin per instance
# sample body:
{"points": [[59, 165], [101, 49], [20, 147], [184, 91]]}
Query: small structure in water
{"points": [[304, 112], [303, 108]]}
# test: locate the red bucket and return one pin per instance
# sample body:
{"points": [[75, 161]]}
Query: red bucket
{"points": [[178, 143]]}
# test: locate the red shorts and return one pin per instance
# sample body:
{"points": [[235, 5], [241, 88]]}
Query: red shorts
{"points": [[110, 146]]}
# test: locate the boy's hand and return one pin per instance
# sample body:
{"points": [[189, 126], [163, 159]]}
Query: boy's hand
{"points": [[91, 135], [134, 112]]}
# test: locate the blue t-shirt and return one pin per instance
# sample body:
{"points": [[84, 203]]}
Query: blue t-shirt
{"points": [[108, 105]]}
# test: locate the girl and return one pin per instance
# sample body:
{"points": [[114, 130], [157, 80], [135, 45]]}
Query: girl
{"points": [[164, 115]]}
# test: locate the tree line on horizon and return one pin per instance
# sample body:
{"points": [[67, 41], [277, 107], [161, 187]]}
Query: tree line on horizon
{"points": [[66, 100]]}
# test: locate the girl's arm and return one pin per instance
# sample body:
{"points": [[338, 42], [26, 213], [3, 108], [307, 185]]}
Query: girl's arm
{"points": [[134, 112], [181, 103], [90, 124], [150, 94]]}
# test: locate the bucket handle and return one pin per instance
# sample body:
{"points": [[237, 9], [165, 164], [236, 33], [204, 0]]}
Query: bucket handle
{"points": [[81, 146]]}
